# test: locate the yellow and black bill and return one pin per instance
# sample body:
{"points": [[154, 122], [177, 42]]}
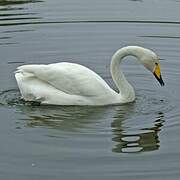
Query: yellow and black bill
{"points": [[157, 74]]}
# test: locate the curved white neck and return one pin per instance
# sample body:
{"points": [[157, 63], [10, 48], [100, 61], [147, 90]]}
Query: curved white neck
{"points": [[125, 89]]}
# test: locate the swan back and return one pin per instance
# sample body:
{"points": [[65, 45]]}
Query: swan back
{"points": [[45, 82]]}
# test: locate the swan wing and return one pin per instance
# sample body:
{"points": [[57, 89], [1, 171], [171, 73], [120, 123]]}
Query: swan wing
{"points": [[70, 78]]}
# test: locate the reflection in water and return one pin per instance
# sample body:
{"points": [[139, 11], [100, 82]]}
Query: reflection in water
{"points": [[131, 133], [77, 119], [132, 139], [64, 118]]}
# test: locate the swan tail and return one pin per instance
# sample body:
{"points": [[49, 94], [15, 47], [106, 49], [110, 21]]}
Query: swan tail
{"points": [[26, 82]]}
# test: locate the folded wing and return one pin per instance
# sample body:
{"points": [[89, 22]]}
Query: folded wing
{"points": [[70, 78]]}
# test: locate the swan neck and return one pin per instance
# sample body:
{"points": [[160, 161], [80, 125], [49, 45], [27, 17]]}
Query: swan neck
{"points": [[125, 89]]}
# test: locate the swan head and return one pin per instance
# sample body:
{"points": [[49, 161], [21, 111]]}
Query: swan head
{"points": [[151, 61]]}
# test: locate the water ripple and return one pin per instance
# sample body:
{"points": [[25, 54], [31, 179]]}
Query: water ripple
{"points": [[12, 2], [135, 127]]}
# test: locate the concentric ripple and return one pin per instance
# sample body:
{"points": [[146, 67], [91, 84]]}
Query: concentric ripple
{"points": [[135, 127]]}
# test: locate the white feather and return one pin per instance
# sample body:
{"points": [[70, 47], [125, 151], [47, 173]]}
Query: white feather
{"points": [[73, 84]]}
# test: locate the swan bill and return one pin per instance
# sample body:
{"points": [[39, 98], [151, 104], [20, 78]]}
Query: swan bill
{"points": [[159, 78], [157, 74]]}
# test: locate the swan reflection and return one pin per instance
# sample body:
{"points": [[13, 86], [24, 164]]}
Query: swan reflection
{"points": [[70, 119], [132, 129], [130, 139]]}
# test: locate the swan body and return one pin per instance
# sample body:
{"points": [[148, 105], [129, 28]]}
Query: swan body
{"points": [[73, 84]]}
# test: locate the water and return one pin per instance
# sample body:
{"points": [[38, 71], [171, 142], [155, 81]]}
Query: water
{"points": [[133, 141]]}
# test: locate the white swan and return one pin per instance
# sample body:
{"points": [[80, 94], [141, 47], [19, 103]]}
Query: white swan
{"points": [[73, 84]]}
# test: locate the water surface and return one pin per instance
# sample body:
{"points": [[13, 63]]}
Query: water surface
{"points": [[139, 140]]}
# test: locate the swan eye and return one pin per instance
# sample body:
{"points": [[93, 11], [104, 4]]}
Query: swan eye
{"points": [[156, 64]]}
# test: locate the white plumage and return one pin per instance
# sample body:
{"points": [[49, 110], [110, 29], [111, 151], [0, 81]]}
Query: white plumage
{"points": [[73, 84]]}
